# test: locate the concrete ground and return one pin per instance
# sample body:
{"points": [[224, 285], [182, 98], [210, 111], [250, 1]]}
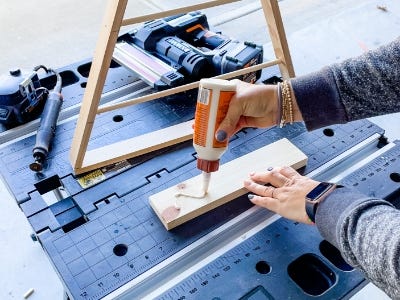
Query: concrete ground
{"points": [[58, 33]]}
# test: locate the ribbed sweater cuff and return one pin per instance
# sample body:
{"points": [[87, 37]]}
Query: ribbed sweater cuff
{"points": [[318, 99]]}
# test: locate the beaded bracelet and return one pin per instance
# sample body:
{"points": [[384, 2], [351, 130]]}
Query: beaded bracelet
{"points": [[279, 118], [286, 103]]}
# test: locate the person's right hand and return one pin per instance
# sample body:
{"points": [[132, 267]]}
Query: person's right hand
{"points": [[285, 194], [253, 105]]}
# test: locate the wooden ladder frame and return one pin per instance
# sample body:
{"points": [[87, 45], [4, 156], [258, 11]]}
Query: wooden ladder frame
{"points": [[83, 160]]}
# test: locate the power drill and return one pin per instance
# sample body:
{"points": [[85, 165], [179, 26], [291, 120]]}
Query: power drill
{"points": [[179, 49]]}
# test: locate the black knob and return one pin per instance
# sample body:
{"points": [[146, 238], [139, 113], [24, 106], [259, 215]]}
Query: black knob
{"points": [[15, 72]]}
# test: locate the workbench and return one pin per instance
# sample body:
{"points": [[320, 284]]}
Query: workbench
{"points": [[108, 211]]}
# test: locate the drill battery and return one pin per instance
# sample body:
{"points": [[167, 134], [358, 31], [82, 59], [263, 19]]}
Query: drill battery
{"points": [[180, 49]]}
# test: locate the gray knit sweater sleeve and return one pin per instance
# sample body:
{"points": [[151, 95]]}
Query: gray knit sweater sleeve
{"points": [[365, 229], [357, 88]]}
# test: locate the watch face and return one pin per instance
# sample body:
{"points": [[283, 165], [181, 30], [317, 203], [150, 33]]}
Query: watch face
{"points": [[318, 191]]}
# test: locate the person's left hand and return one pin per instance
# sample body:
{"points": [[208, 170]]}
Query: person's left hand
{"points": [[285, 194]]}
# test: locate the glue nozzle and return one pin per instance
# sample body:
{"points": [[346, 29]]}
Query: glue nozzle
{"points": [[206, 181], [207, 166]]}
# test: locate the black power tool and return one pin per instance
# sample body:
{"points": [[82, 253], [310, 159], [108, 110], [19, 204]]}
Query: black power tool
{"points": [[179, 49], [47, 127], [22, 99]]}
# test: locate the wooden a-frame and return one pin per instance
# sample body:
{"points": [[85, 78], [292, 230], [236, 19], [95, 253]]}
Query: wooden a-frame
{"points": [[83, 160]]}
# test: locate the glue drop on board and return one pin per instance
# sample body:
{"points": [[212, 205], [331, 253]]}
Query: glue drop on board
{"points": [[212, 105]]}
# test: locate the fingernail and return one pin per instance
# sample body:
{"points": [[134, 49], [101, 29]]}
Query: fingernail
{"points": [[221, 135], [247, 182], [270, 168], [252, 173], [250, 196]]}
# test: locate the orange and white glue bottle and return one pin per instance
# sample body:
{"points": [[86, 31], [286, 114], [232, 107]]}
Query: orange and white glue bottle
{"points": [[212, 105]]}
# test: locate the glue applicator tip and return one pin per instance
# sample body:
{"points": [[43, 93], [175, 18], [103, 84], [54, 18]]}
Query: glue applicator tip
{"points": [[206, 181]]}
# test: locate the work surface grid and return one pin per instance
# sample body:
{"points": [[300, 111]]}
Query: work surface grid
{"points": [[362, 25]]}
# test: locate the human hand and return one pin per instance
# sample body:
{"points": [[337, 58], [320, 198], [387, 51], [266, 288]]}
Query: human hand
{"points": [[286, 193], [253, 105]]}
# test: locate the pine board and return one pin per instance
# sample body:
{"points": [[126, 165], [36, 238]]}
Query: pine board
{"points": [[226, 184]]}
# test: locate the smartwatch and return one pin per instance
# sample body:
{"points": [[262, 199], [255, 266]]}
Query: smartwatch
{"points": [[316, 196]]}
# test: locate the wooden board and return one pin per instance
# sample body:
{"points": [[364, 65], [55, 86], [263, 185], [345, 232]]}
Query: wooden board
{"points": [[145, 143], [226, 184]]}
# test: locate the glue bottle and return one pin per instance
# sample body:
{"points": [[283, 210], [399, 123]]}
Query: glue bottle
{"points": [[212, 105]]}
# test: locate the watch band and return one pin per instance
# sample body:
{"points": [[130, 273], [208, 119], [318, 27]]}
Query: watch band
{"points": [[316, 196]]}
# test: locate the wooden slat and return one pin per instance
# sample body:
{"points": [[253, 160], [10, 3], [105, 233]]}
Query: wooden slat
{"points": [[97, 76], [226, 184], [278, 37], [183, 88], [116, 152], [176, 11]]}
